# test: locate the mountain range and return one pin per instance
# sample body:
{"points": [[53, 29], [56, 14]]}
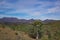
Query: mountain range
{"points": [[16, 20]]}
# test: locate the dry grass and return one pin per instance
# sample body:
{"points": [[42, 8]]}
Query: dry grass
{"points": [[8, 34]]}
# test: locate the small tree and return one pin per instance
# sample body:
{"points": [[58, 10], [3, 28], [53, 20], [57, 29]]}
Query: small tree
{"points": [[36, 31]]}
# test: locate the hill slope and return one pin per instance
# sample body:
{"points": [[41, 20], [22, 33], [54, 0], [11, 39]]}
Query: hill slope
{"points": [[8, 34]]}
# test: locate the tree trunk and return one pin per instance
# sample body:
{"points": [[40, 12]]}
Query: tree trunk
{"points": [[37, 36]]}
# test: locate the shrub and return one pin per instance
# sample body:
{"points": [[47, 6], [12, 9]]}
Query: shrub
{"points": [[16, 33]]}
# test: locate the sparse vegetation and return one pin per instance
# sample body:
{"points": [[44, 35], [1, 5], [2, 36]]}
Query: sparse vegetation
{"points": [[49, 31]]}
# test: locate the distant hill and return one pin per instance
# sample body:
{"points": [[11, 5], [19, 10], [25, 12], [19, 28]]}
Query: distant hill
{"points": [[18, 21], [49, 21], [15, 20]]}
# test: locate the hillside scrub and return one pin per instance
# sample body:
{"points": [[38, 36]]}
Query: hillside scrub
{"points": [[49, 31]]}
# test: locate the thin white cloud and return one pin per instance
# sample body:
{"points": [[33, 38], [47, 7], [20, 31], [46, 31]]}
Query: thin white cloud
{"points": [[54, 10], [31, 7]]}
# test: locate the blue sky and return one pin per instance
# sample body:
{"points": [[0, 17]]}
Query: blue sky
{"points": [[28, 9]]}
